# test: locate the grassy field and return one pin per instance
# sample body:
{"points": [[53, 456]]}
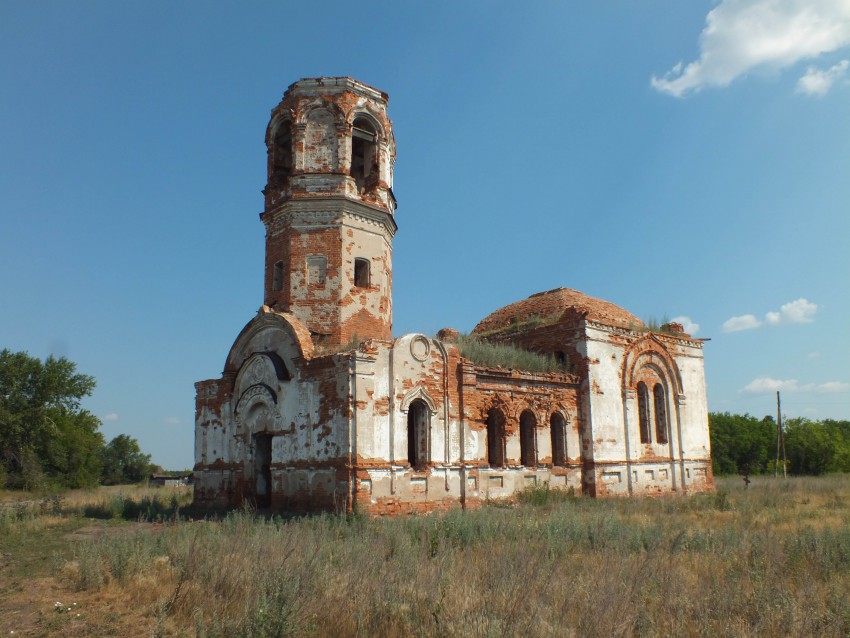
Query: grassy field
{"points": [[773, 560]]}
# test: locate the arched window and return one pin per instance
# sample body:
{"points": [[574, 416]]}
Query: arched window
{"points": [[282, 153], [559, 439], [528, 451], [363, 151], [496, 438], [418, 421], [361, 273], [643, 412], [660, 413], [277, 276]]}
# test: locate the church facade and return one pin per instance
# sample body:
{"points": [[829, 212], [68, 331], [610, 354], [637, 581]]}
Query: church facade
{"points": [[320, 408]]}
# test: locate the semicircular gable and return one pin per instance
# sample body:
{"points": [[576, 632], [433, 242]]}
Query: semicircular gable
{"points": [[272, 333], [649, 351]]}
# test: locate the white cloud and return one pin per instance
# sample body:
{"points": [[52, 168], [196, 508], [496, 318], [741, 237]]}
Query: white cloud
{"points": [[744, 322], [112, 416], [764, 385], [742, 35], [813, 355], [798, 311], [171, 420], [773, 318], [687, 325], [817, 82], [767, 385], [833, 386]]}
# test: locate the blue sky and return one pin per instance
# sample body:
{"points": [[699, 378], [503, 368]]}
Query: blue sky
{"points": [[681, 159]]}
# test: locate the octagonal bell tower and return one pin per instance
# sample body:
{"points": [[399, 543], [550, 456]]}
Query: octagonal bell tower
{"points": [[329, 210]]}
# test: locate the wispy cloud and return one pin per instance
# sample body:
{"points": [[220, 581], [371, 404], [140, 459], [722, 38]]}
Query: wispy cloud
{"points": [[689, 326], [818, 82], [744, 322], [743, 35], [171, 420], [767, 385], [798, 311], [112, 416]]}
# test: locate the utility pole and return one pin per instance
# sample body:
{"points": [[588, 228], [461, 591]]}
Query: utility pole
{"points": [[780, 442]]}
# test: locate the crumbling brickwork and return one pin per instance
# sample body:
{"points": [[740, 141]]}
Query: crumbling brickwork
{"points": [[320, 408]]}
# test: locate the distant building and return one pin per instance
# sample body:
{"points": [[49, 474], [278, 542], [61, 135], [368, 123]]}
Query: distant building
{"points": [[320, 408], [170, 480]]}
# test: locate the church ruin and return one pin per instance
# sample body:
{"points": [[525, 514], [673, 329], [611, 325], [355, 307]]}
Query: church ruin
{"points": [[320, 408]]}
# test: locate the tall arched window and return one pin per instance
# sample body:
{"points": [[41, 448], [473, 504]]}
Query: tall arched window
{"points": [[363, 151], [660, 413], [496, 438], [282, 153], [527, 441], [418, 422], [559, 439], [643, 413]]}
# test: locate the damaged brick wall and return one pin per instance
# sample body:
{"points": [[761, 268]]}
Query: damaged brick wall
{"points": [[319, 408]]}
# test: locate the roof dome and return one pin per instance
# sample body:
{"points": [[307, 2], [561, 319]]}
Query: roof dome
{"points": [[554, 303]]}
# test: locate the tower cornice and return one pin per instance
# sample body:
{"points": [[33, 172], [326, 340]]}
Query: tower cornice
{"points": [[326, 212]]}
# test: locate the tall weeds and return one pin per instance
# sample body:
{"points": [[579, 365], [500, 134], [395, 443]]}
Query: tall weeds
{"points": [[770, 560]]}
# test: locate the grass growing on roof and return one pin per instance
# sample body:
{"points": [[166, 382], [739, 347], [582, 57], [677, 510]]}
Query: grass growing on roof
{"points": [[488, 354]]}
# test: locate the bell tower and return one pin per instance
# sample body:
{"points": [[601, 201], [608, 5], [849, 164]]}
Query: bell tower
{"points": [[329, 210]]}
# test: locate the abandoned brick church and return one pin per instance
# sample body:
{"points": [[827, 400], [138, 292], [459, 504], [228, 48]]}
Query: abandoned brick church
{"points": [[320, 408]]}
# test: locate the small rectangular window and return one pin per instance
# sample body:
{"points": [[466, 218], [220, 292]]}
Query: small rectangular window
{"points": [[277, 277], [361, 273], [317, 270]]}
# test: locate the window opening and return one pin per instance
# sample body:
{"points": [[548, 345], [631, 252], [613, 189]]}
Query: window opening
{"points": [[363, 151], [418, 416], [361, 273], [528, 452], [277, 278], [561, 359], [496, 438], [660, 413], [559, 439], [282, 153], [643, 412]]}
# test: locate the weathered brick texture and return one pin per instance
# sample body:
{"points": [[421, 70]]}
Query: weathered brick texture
{"points": [[320, 408]]}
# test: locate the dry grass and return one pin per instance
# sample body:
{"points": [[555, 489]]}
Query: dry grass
{"points": [[773, 560]]}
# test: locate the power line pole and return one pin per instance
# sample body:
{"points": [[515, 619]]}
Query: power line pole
{"points": [[780, 442]]}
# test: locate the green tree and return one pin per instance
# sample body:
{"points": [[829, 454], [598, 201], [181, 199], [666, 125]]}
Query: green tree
{"points": [[124, 462], [44, 434], [740, 441], [815, 447]]}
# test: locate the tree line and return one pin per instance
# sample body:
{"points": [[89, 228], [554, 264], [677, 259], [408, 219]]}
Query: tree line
{"points": [[740, 442], [47, 439]]}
